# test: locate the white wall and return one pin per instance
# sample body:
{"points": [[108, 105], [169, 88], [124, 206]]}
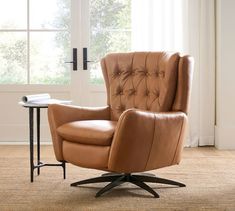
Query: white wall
{"points": [[225, 75], [14, 118]]}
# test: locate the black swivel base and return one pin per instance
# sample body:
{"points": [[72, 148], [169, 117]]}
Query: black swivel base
{"points": [[136, 179]]}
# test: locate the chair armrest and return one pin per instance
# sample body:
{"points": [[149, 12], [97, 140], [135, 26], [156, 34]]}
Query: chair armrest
{"points": [[147, 140], [61, 114]]}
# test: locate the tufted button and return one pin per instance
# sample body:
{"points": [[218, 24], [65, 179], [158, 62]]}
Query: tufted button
{"points": [[157, 94], [120, 108], [119, 90], [147, 93]]}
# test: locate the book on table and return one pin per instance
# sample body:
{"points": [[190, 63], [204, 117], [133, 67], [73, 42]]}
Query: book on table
{"points": [[42, 100]]}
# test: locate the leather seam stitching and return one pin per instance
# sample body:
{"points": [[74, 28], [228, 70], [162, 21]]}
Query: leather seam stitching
{"points": [[56, 136], [177, 142], [146, 86], [108, 87], [151, 143], [106, 72], [120, 123], [132, 81]]}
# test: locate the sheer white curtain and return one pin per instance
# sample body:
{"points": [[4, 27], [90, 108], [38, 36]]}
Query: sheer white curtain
{"points": [[188, 27]]}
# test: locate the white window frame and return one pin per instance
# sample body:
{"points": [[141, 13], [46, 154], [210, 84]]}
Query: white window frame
{"points": [[28, 31]]}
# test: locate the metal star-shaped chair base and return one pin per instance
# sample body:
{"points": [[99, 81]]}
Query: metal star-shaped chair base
{"points": [[136, 179]]}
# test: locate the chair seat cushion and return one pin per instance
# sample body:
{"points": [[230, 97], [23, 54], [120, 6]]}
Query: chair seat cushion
{"points": [[93, 132]]}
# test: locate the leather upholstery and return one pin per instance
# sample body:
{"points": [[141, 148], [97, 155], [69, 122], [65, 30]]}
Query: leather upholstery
{"points": [[143, 80], [185, 78], [143, 126], [146, 140], [61, 114], [94, 132], [88, 156]]}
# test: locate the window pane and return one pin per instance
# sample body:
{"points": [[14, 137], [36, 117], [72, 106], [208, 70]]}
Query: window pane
{"points": [[110, 23], [116, 41], [13, 14], [49, 51], [13, 65], [52, 14]]}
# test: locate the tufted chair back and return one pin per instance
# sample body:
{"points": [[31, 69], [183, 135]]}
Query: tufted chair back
{"points": [[147, 81]]}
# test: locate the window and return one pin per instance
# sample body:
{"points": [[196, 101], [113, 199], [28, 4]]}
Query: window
{"points": [[110, 31], [35, 38], [34, 41]]}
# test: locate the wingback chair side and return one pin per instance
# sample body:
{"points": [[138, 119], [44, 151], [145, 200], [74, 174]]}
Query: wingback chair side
{"points": [[142, 127]]}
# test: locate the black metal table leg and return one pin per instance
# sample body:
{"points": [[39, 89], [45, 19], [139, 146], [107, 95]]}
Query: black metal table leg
{"points": [[38, 138], [39, 164], [64, 169], [31, 142]]}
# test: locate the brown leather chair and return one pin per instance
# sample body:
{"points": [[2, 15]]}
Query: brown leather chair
{"points": [[142, 128]]}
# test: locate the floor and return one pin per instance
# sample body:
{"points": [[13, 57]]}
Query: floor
{"points": [[208, 173]]}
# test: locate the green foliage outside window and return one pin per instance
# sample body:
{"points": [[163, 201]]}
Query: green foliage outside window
{"points": [[46, 62], [110, 31], [110, 22]]}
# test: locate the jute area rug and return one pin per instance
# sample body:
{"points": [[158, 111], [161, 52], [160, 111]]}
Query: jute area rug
{"points": [[208, 173]]}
